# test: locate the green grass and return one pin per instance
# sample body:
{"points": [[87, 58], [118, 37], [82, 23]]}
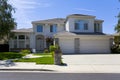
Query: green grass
{"points": [[45, 59], [43, 54], [10, 55], [39, 54]]}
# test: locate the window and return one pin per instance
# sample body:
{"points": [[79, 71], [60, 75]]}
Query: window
{"points": [[39, 28], [21, 36], [53, 28], [15, 37], [21, 44], [81, 24], [96, 27], [85, 26], [76, 26]]}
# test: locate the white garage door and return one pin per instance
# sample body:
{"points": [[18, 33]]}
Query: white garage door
{"points": [[67, 45], [94, 46]]}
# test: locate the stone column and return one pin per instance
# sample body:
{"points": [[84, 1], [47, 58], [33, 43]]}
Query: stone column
{"points": [[45, 41], [17, 41], [57, 57], [25, 42]]}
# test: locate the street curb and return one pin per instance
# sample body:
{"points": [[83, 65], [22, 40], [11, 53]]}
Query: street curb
{"points": [[25, 70]]}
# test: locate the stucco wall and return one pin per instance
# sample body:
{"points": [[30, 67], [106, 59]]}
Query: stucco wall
{"points": [[71, 21], [46, 29]]}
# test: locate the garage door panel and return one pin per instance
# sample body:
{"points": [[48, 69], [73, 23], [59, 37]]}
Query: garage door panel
{"points": [[67, 45], [94, 46]]}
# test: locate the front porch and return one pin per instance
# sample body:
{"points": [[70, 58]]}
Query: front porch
{"points": [[39, 43], [19, 43]]}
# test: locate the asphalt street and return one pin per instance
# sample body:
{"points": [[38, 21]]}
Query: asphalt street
{"points": [[57, 76]]}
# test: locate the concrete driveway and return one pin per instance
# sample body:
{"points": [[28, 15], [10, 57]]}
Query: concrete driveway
{"points": [[92, 59]]}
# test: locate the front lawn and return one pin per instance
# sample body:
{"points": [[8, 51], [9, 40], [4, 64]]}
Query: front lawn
{"points": [[43, 59], [10, 55], [43, 54]]}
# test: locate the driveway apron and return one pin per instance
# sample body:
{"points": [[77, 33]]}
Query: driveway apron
{"points": [[92, 59]]}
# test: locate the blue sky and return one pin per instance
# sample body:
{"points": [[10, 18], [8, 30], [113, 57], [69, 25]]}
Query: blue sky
{"points": [[31, 10]]}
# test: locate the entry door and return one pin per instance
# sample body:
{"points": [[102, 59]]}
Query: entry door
{"points": [[40, 44], [76, 45]]}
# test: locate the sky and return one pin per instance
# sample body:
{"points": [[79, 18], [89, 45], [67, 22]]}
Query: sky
{"points": [[32, 10]]}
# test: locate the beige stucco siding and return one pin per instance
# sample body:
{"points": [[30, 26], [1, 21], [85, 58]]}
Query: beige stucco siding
{"points": [[32, 41], [46, 29], [71, 21]]}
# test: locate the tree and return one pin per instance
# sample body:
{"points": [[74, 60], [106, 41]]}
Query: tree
{"points": [[7, 22], [117, 27]]}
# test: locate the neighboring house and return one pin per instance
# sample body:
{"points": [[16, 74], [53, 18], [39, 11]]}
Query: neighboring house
{"points": [[1, 42], [77, 33]]}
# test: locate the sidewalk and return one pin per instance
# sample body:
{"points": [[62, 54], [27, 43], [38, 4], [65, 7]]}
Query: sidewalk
{"points": [[63, 69]]}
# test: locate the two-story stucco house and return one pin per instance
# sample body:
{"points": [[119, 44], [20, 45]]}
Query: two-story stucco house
{"points": [[77, 33]]}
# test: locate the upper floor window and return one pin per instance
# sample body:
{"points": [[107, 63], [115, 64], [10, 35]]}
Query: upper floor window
{"points": [[96, 27], [85, 26], [39, 28], [76, 26], [81, 24], [53, 28]]}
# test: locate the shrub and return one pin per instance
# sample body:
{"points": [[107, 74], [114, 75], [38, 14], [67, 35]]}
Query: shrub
{"points": [[46, 51], [10, 55], [53, 48], [25, 51], [115, 49]]}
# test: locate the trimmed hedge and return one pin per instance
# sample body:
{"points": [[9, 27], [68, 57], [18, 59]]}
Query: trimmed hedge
{"points": [[25, 51], [10, 55], [115, 48]]}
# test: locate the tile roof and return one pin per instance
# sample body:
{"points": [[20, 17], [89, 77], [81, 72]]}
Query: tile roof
{"points": [[65, 33], [99, 20], [80, 15], [54, 20], [23, 30], [77, 33], [88, 33]]}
